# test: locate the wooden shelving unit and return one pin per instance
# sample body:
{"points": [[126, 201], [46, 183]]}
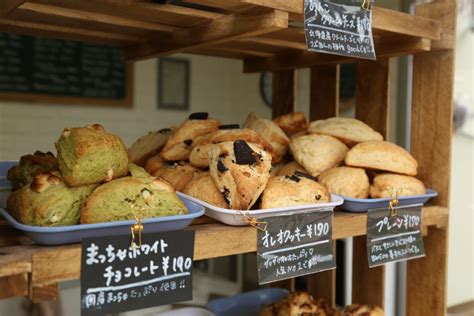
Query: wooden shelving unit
{"points": [[268, 36]]}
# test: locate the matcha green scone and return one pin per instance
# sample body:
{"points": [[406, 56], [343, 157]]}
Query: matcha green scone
{"points": [[89, 155], [119, 199], [29, 166], [47, 201], [138, 172]]}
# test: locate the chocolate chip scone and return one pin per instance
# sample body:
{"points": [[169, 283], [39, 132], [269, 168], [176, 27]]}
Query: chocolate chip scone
{"points": [[89, 155], [292, 123], [179, 145], [241, 171], [298, 304], [154, 163], [389, 184], [200, 153], [202, 187], [346, 181], [297, 189], [177, 173], [380, 155], [48, 201], [290, 168], [316, 153], [149, 145], [271, 132], [361, 310], [29, 166]]}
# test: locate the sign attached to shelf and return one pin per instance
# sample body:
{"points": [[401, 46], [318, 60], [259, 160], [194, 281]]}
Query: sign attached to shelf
{"points": [[340, 27], [295, 244], [116, 277], [394, 235]]}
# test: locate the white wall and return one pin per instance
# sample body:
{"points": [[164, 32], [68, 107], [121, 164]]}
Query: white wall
{"points": [[218, 86]]}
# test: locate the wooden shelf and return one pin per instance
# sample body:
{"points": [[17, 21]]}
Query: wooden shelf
{"points": [[268, 35], [47, 265]]}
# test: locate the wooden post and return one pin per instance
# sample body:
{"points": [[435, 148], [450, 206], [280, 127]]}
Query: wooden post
{"points": [[283, 92], [372, 107], [431, 133], [324, 103]]}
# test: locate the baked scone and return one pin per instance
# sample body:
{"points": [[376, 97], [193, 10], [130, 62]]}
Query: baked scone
{"points": [[389, 184], [297, 189], [361, 310], [241, 171], [137, 171], [271, 132], [292, 123], [290, 168], [199, 156], [381, 155], [179, 145], [149, 145], [346, 181], [316, 153], [351, 131], [29, 166], [297, 304], [178, 174], [48, 201], [123, 199], [89, 155], [154, 163], [202, 187]]}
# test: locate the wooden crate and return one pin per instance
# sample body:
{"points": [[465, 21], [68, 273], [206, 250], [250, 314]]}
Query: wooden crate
{"points": [[268, 36]]}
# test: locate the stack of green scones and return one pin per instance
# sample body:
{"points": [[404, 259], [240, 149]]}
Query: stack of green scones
{"points": [[90, 181]]}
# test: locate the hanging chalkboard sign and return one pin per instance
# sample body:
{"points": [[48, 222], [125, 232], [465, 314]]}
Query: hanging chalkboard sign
{"points": [[117, 278], [59, 71]]}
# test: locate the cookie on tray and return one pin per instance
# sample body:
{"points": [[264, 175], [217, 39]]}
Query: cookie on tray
{"points": [[179, 145], [297, 189], [316, 153], [389, 184], [203, 188], [271, 132], [381, 155], [346, 181], [130, 197], [292, 123], [29, 166], [89, 155], [177, 173], [149, 145], [48, 201], [351, 131], [241, 171]]}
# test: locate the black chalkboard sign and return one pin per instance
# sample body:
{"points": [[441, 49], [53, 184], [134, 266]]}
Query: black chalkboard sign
{"points": [[116, 278], [53, 70], [294, 245], [340, 28], [394, 238]]}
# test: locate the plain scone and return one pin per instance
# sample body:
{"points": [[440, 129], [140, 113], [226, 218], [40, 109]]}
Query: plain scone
{"points": [[349, 130], [149, 145], [297, 189], [381, 155], [241, 171], [317, 153], [389, 184], [361, 310], [346, 181], [202, 187], [178, 174], [290, 168], [292, 123], [271, 132]]}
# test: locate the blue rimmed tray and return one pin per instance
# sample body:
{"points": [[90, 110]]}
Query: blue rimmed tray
{"points": [[363, 205]]}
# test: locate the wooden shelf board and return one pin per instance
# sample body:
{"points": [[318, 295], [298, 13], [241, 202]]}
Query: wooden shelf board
{"points": [[50, 264], [262, 31]]}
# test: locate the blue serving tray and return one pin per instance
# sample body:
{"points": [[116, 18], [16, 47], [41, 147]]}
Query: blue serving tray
{"points": [[60, 235], [363, 205], [249, 303]]}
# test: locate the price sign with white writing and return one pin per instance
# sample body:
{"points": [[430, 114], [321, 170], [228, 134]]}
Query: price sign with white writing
{"points": [[340, 27], [117, 278], [294, 245], [394, 238]]}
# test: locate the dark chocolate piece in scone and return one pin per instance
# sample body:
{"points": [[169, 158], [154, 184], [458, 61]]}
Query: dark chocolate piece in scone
{"points": [[241, 183], [199, 116], [229, 126]]}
